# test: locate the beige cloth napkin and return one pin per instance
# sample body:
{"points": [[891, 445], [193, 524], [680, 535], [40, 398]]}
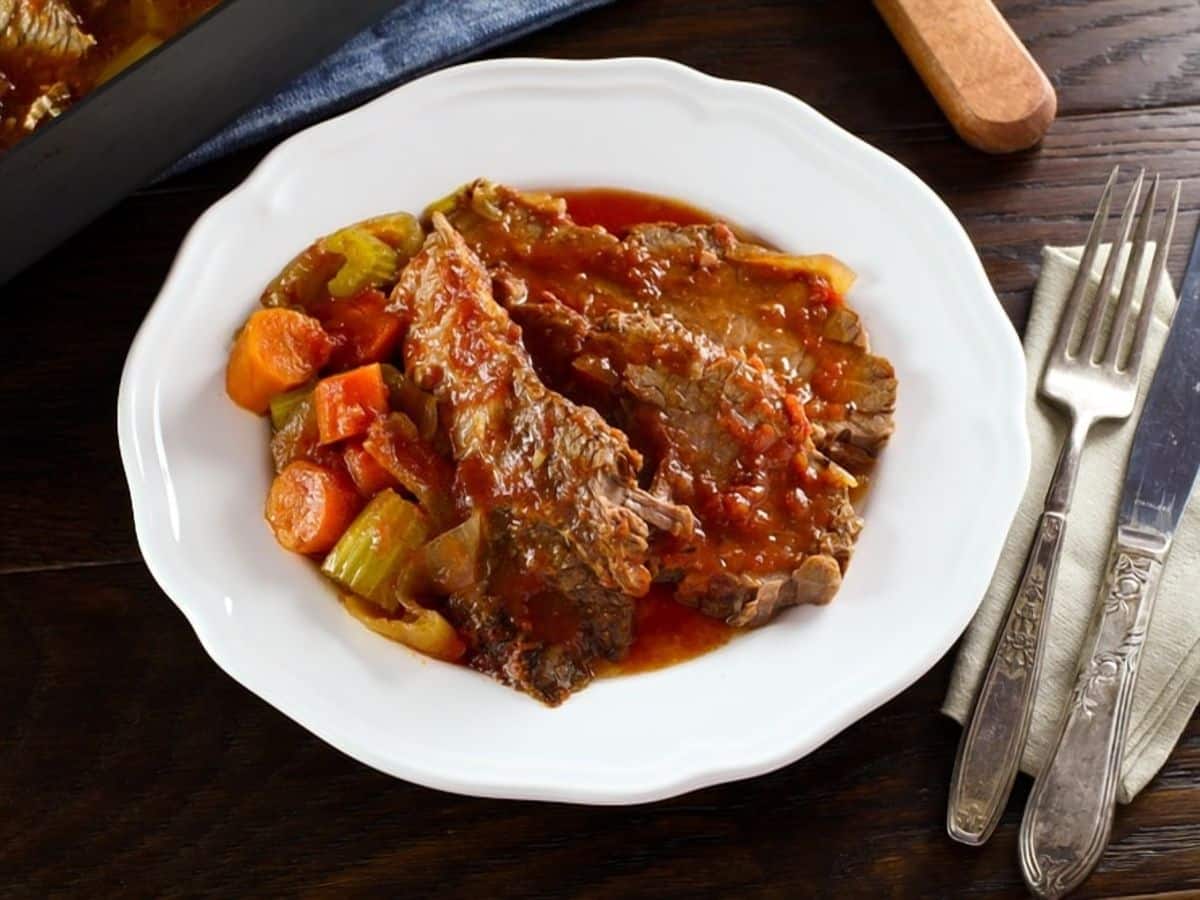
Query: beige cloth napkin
{"points": [[1168, 686]]}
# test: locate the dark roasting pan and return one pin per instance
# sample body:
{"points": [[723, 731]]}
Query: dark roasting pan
{"points": [[130, 130]]}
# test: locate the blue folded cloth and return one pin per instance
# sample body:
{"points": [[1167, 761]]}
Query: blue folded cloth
{"points": [[418, 36]]}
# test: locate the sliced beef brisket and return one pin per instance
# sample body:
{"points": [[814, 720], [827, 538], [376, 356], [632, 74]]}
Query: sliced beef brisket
{"points": [[565, 521], [720, 434], [788, 311]]}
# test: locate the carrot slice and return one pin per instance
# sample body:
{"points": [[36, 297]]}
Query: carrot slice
{"points": [[310, 506], [368, 475], [363, 330], [276, 350], [348, 403]]}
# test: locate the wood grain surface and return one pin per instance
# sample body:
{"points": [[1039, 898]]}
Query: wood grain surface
{"points": [[131, 765], [985, 80]]}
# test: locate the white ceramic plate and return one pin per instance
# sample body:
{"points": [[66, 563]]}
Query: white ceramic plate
{"points": [[944, 494]]}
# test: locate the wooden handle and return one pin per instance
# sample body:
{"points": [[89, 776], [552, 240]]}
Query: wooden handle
{"points": [[993, 92]]}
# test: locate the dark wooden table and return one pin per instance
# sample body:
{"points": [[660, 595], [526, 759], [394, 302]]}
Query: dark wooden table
{"points": [[129, 763]]}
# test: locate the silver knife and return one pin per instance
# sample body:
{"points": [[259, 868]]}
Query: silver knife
{"points": [[1070, 811]]}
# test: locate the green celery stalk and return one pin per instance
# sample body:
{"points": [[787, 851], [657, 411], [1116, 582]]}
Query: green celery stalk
{"points": [[285, 405], [409, 399], [375, 548], [400, 231], [370, 262]]}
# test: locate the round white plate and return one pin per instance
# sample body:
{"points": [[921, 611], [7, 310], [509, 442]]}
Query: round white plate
{"points": [[944, 493]]}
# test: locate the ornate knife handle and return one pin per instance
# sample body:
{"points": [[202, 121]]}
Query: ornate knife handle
{"points": [[1070, 812], [989, 752]]}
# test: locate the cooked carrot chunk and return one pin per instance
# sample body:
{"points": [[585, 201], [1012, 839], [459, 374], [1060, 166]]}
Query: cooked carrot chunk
{"points": [[368, 475], [348, 403], [310, 506], [276, 350], [362, 329]]}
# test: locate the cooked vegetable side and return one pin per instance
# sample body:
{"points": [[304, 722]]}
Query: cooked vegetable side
{"points": [[276, 351], [551, 450]]}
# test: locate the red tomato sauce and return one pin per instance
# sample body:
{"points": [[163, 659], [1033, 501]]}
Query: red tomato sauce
{"points": [[619, 210], [665, 632]]}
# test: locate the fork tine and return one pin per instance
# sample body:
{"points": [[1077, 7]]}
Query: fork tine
{"points": [[1152, 282], [1129, 282], [1087, 347], [1071, 309]]}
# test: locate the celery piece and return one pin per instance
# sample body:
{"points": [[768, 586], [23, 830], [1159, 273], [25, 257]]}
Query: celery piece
{"points": [[376, 546], [298, 438], [452, 558], [400, 231], [369, 262], [409, 399], [483, 201], [422, 629], [301, 283], [446, 205], [285, 405]]}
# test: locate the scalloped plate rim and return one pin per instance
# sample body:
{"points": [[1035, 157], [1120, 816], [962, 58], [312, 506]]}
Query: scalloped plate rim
{"points": [[149, 509]]}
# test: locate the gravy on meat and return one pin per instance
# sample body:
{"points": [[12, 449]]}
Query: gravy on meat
{"points": [[556, 437]]}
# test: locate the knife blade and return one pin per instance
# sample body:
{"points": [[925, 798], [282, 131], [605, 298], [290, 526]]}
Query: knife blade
{"points": [[1069, 815], [1165, 456]]}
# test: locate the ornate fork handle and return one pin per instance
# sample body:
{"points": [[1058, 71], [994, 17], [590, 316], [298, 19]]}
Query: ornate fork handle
{"points": [[990, 750], [1070, 812]]}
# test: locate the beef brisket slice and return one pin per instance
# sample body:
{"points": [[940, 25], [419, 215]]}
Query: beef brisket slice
{"points": [[565, 523], [767, 304], [720, 434]]}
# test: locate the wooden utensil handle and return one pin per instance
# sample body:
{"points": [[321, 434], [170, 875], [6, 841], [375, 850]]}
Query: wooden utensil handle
{"points": [[993, 92]]}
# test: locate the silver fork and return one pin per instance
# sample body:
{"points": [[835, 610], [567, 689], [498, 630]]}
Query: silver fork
{"points": [[1091, 380]]}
